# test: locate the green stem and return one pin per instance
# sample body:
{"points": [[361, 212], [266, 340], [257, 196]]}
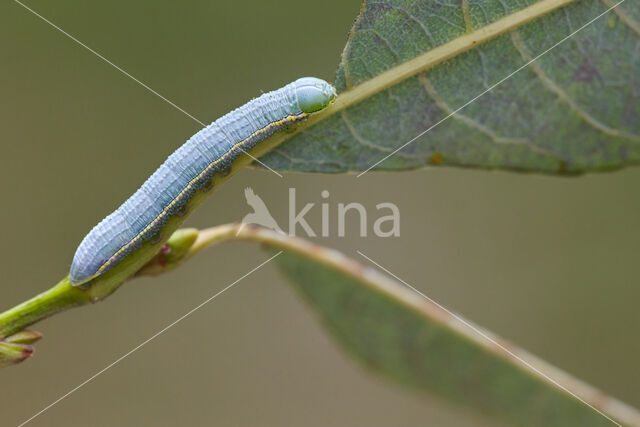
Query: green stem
{"points": [[58, 298]]}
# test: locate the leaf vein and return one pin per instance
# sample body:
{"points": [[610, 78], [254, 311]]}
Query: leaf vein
{"points": [[474, 124], [563, 95], [624, 17], [426, 84], [362, 140]]}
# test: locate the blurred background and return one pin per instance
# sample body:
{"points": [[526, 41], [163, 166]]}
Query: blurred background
{"points": [[549, 263]]}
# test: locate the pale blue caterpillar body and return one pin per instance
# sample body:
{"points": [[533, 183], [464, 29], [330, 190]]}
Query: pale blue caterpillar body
{"points": [[190, 168]]}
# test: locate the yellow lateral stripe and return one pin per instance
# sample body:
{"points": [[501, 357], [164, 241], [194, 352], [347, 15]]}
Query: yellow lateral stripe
{"points": [[190, 184]]}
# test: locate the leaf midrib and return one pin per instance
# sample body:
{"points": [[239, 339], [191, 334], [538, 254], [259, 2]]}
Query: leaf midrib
{"points": [[440, 54], [421, 63]]}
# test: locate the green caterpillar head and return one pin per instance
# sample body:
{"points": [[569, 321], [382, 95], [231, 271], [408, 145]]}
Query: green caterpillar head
{"points": [[313, 94]]}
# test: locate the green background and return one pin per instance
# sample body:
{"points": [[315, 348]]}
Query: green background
{"points": [[549, 263]]}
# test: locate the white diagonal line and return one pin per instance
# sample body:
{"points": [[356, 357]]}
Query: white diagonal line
{"points": [[152, 337], [491, 340], [490, 88], [174, 105]]}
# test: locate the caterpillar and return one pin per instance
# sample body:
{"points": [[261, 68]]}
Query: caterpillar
{"points": [[191, 168]]}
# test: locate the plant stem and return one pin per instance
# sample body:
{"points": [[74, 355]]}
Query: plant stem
{"points": [[58, 298]]}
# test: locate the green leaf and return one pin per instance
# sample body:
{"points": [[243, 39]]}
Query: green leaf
{"points": [[409, 64], [404, 337], [413, 340]]}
